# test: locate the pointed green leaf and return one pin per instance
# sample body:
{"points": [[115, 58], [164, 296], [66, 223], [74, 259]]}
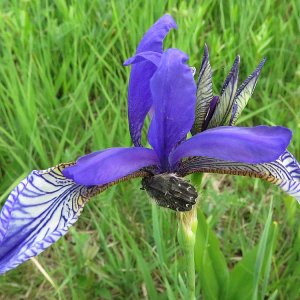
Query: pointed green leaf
{"points": [[249, 278], [210, 262]]}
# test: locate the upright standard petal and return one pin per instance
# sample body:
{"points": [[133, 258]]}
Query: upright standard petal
{"points": [[223, 110], [153, 38], [255, 145], [244, 93], [139, 95], [174, 97], [212, 107], [204, 93], [109, 165], [284, 172], [39, 211], [150, 56]]}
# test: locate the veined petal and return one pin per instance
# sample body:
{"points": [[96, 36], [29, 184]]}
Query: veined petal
{"points": [[139, 95], [244, 93], [109, 165], [258, 144], [174, 97], [223, 110], [212, 107], [36, 214], [284, 172], [204, 93], [39, 211]]}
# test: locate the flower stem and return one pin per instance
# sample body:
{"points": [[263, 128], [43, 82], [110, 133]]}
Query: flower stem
{"points": [[187, 236]]}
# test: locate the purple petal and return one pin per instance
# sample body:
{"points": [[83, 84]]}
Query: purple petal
{"points": [[107, 166], [153, 38], [150, 56], [139, 95], [40, 210], [37, 213], [255, 145], [174, 97]]}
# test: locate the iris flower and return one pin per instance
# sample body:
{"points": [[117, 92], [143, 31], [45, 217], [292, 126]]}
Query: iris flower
{"points": [[45, 204]]}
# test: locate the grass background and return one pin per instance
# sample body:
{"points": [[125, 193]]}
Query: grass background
{"points": [[63, 93]]}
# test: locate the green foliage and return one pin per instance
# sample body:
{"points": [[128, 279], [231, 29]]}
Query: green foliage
{"points": [[63, 93], [249, 277], [210, 262]]}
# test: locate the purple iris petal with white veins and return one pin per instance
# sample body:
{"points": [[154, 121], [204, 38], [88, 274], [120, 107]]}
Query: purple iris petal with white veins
{"points": [[36, 214], [139, 94], [40, 210], [44, 205]]}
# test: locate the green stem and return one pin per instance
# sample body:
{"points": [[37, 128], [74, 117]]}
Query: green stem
{"points": [[187, 236]]}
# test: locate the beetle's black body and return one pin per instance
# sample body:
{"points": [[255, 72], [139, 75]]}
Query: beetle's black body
{"points": [[171, 191]]}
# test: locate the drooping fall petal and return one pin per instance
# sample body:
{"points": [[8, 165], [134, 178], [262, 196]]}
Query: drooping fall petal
{"points": [[258, 144], [109, 165], [40, 210], [284, 172]]}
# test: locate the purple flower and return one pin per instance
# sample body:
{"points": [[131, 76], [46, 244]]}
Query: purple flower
{"points": [[46, 203]]}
